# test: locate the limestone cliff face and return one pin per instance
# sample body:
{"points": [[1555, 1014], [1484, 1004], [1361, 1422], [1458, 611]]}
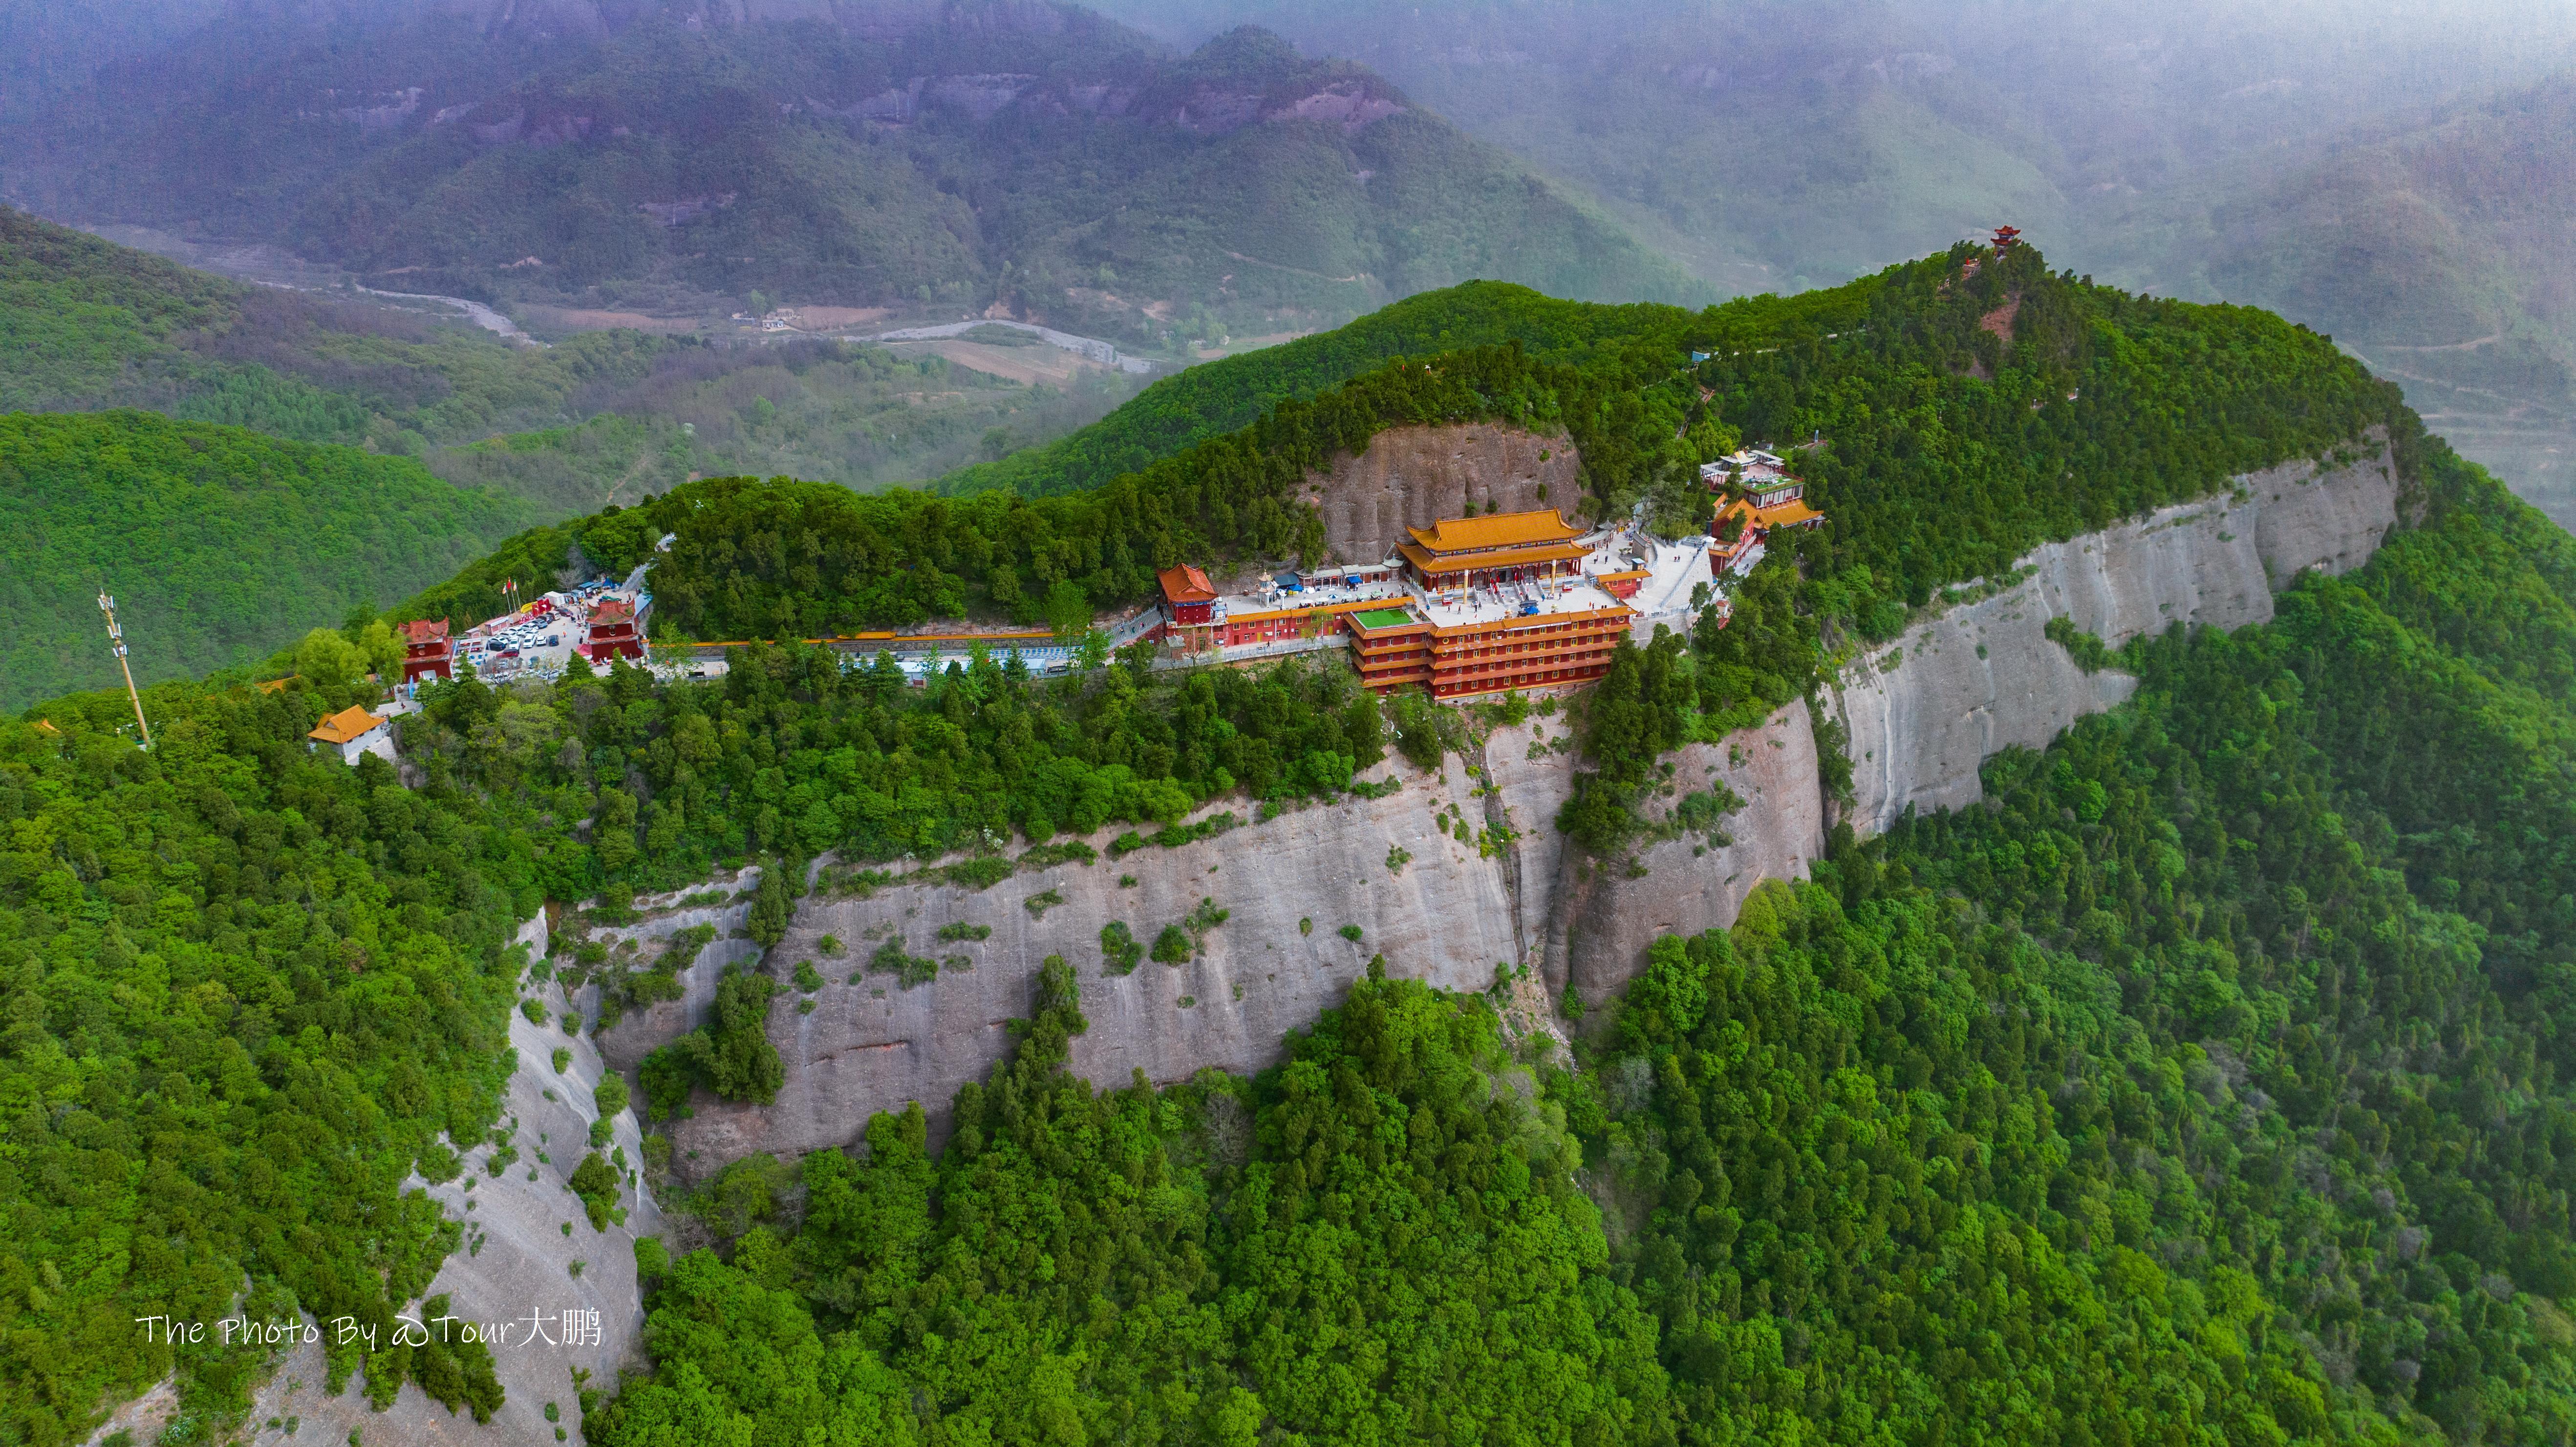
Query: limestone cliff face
{"points": [[1415, 476], [642, 1032], [1925, 712], [1289, 887], [1510, 894], [1605, 915], [519, 1261]]}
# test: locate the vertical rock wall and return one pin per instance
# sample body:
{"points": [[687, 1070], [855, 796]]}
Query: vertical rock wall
{"points": [[518, 1262], [1606, 915], [1415, 476], [1926, 711], [1288, 886]]}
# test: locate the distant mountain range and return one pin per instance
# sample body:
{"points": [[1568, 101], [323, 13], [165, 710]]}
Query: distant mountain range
{"points": [[2394, 174], [603, 417], [1029, 159], [2440, 251]]}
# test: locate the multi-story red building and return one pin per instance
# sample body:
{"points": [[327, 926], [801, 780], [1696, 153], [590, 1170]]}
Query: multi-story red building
{"points": [[1506, 604], [427, 650], [611, 632], [1189, 607], [1475, 605]]}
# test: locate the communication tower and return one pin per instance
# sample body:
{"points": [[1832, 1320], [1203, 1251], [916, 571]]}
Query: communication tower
{"points": [[116, 640]]}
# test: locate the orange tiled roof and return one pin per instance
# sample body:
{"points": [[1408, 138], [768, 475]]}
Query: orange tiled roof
{"points": [[346, 726], [1186, 584], [422, 630], [1497, 530], [349, 724], [1431, 562], [615, 610], [1787, 515]]}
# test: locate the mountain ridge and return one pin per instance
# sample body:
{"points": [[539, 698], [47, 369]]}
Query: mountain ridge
{"points": [[1072, 170]]}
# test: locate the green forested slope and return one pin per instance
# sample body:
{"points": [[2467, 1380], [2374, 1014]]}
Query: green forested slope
{"points": [[248, 991], [2203, 1083], [220, 544], [1218, 397]]}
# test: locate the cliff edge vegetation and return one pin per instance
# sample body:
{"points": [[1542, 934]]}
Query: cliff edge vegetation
{"points": [[2205, 1077], [2159, 1092]]}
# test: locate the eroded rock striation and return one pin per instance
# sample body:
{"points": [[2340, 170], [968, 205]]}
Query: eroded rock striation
{"points": [[1923, 713], [1415, 476], [1605, 914], [1926, 711]]}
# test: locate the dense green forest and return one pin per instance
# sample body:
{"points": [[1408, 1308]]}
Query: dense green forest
{"points": [[219, 544], [794, 754], [2201, 1083], [248, 991]]}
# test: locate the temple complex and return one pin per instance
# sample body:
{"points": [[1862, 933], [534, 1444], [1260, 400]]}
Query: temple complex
{"points": [[1467, 606], [1756, 497]]}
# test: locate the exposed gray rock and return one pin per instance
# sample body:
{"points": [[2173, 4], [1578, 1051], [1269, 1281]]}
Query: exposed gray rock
{"points": [[522, 1266], [871, 1045], [1531, 767], [1605, 915], [1415, 476], [643, 1031], [1928, 710]]}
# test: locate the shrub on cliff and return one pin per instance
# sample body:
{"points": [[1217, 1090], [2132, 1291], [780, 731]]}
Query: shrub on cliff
{"points": [[729, 1055], [1077, 1259]]}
